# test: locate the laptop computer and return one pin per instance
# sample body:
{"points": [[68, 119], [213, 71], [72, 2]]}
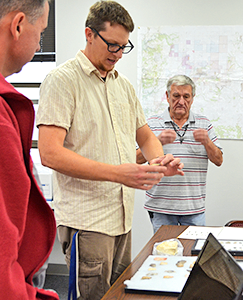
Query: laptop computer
{"points": [[215, 275]]}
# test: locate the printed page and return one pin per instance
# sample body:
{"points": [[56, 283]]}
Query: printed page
{"points": [[231, 233], [199, 232]]}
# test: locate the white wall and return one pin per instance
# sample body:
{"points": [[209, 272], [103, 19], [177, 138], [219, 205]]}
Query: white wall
{"points": [[224, 184]]}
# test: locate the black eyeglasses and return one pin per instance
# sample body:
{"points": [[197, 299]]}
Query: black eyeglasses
{"points": [[114, 48]]}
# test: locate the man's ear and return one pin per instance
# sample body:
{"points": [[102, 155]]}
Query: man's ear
{"points": [[167, 96], [89, 34], [17, 25]]}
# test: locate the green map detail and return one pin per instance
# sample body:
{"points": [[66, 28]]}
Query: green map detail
{"points": [[211, 55]]}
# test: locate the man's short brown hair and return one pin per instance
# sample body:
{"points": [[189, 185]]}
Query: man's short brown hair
{"points": [[108, 11]]}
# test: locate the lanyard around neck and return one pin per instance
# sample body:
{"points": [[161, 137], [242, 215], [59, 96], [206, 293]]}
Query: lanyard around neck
{"points": [[181, 136]]}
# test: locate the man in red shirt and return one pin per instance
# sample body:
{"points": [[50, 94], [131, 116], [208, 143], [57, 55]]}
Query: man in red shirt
{"points": [[27, 223]]}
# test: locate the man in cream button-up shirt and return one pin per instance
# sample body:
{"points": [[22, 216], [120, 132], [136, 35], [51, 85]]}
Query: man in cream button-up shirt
{"points": [[89, 121]]}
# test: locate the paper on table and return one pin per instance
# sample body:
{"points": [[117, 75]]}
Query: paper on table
{"points": [[221, 233], [166, 275], [231, 233]]}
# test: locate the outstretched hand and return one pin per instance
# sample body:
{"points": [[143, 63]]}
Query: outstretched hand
{"points": [[142, 177], [173, 165]]}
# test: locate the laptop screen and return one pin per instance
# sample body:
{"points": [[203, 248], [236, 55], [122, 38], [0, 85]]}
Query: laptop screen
{"points": [[215, 275]]}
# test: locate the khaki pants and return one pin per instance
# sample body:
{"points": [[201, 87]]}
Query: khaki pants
{"points": [[102, 259]]}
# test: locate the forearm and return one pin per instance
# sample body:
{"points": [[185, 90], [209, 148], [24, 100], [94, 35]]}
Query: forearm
{"points": [[139, 157], [131, 175], [72, 164], [55, 156], [150, 153], [214, 153], [150, 148]]}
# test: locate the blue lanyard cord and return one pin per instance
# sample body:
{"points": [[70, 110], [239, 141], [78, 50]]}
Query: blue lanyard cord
{"points": [[73, 291]]}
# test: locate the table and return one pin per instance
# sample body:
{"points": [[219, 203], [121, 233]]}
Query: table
{"points": [[117, 292]]}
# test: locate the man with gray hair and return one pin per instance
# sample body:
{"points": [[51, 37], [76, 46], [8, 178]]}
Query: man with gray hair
{"points": [[27, 222], [180, 200]]}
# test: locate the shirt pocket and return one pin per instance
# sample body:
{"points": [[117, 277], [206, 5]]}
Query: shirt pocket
{"points": [[196, 149], [125, 117]]}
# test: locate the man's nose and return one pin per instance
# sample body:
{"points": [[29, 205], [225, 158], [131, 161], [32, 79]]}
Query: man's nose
{"points": [[181, 100], [119, 53]]}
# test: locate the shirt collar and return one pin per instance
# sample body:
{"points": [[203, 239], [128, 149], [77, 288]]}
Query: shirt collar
{"points": [[89, 68], [168, 119]]}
